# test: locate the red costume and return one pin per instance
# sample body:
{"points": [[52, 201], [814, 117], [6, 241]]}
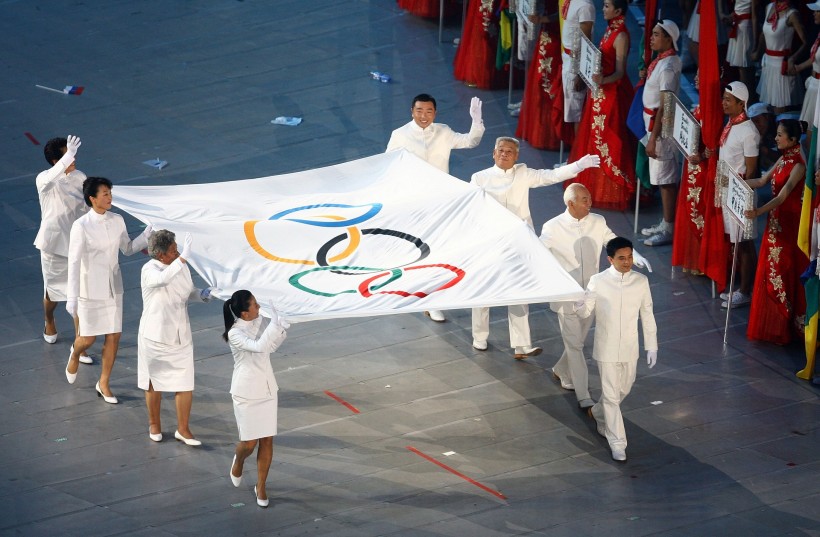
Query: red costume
{"points": [[689, 215], [475, 59]]}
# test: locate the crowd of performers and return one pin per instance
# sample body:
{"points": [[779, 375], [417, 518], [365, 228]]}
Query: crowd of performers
{"points": [[758, 100]]}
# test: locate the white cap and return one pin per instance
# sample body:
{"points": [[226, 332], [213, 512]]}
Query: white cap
{"points": [[740, 91], [814, 6], [670, 28], [758, 109]]}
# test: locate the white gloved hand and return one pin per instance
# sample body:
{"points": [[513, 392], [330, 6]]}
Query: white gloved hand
{"points": [[275, 318], [578, 304], [205, 294], [186, 246], [651, 358], [71, 307], [72, 144], [149, 228], [640, 261], [475, 109], [588, 161]]}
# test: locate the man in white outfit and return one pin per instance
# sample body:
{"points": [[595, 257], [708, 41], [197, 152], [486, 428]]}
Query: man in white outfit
{"points": [[60, 189], [579, 17], [663, 74], [576, 238], [619, 296], [509, 184], [433, 141]]}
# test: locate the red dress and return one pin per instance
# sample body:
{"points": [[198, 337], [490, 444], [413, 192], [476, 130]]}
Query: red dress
{"points": [[475, 58], [689, 215], [603, 132], [428, 8], [778, 295], [537, 120]]}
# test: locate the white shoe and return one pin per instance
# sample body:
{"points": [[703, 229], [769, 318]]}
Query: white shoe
{"points": [[479, 345], [724, 296], [739, 300], [155, 437], [235, 480], [70, 377], [662, 238], [653, 230], [84, 358], [111, 400], [514, 106], [188, 441], [50, 339], [259, 501], [619, 455], [435, 315], [565, 385], [525, 352]]}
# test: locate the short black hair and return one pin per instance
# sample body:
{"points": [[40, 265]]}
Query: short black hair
{"points": [[53, 150], [623, 5], [92, 185], [616, 244], [425, 98]]}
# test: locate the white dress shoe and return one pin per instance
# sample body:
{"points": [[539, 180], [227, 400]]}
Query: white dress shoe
{"points": [[52, 339], [235, 480], [259, 501], [155, 437], [188, 441], [566, 385], [479, 345], [619, 455], [70, 377], [435, 315], [108, 399], [84, 358], [525, 352]]}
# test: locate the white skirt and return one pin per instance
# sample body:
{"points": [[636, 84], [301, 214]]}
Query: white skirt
{"points": [[740, 47], [777, 90], [573, 99], [810, 101], [256, 418], [168, 368], [693, 30], [55, 276], [100, 317]]}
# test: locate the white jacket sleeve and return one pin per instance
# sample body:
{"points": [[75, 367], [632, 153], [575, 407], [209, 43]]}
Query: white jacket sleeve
{"points": [[271, 338], [160, 278], [76, 246]]}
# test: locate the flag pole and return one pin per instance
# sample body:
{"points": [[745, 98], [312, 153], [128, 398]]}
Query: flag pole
{"points": [[729, 301]]}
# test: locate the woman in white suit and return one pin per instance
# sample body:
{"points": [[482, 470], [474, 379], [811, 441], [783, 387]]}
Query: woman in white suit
{"points": [[253, 386], [165, 350], [94, 280]]}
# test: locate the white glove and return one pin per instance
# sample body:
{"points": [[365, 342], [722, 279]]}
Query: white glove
{"points": [[71, 307], [205, 294], [475, 109], [641, 261], [578, 304], [149, 228], [72, 144], [274, 317], [186, 246], [651, 358], [588, 161]]}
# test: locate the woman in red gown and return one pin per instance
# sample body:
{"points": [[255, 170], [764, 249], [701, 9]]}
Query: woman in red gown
{"points": [[476, 55], [778, 298], [537, 119], [603, 129]]}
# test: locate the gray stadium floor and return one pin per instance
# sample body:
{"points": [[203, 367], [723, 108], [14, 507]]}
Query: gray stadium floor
{"points": [[732, 449]]}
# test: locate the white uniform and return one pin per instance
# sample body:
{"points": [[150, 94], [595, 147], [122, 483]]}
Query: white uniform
{"points": [[511, 188], [812, 85], [61, 202], [579, 11], [743, 141], [434, 143], [94, 276], [774, 87], [576, 245], [165, 350], [253, 387], [738, 54], [665, 169], [618, 300]]}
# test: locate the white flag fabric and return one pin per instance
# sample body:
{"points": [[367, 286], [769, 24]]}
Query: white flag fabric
{"points": [[380, 235]]}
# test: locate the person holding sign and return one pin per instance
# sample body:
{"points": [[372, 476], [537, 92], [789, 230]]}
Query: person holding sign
{"points": [[778, 294], [603, 129], [579, 17], [739, 148], [663, 74]]}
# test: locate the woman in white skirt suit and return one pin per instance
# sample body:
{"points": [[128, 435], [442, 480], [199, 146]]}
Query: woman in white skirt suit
{"points": [[94, 280], [777, 87], [253, 386], [165, 350]]}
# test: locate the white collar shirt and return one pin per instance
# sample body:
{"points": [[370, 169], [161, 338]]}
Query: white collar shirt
{"points": [[434, 143]]}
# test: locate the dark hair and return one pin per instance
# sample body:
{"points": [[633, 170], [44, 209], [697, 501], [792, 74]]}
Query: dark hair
{"points": [[53, 150], [425, 98], [616, 244], [623, 5], [233, 307], [92, 185], [794, 128]]}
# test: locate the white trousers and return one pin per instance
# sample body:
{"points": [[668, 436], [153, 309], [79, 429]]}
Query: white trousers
{"points": [[573, 99], [617, 379], [518, 317], [572, 366]]}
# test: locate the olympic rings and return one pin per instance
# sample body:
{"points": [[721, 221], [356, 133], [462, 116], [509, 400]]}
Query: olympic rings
{"points": [[366, 290], [321, 255]]}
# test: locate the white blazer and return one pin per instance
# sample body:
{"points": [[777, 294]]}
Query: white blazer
{"points": [[93, 260], [166, 290], [251, 346], [434, 143], [61, 203]]}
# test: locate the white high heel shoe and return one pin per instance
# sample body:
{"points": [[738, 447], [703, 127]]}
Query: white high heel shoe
{"points": [[70, 377], [259, 501], [111, 400], [235, 480], [155, 437], [188, 441]]}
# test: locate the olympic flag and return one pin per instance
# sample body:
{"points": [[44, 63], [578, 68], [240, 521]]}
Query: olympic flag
{"points": [[380, 235]]}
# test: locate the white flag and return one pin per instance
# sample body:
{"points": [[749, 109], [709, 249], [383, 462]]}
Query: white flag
{"points": [[380, 235]]}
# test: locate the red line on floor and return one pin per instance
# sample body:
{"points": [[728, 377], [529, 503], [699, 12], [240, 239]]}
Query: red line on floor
{"points": [[32, 138], [456, 472], [342, 401]]}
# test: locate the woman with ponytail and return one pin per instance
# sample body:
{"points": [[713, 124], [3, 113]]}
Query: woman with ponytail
{"points": [[253, 386]]}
